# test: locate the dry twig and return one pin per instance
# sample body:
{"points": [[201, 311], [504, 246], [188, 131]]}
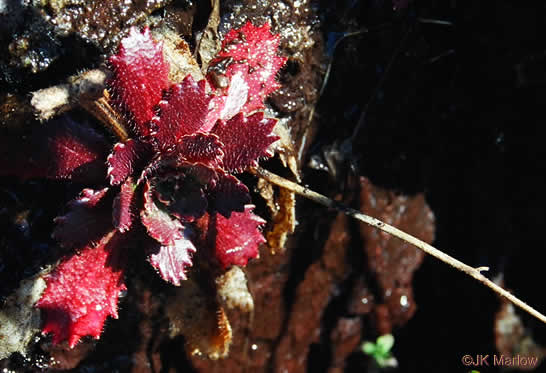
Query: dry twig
{"points": [[457, 264]]}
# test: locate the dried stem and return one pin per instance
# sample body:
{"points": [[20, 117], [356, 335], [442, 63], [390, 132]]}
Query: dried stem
{"points": [[52, 101], [323, 200], [102, 110], [88, 90]]}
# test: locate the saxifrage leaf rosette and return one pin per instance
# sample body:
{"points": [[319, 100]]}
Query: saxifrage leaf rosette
{"points": [[173, 179]]}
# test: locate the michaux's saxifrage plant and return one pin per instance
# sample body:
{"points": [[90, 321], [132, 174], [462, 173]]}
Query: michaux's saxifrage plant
{"points": [[169, 188]]}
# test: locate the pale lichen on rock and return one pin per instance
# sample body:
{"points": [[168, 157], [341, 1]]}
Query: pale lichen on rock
{"points": [[233, 290], [19, 320]]}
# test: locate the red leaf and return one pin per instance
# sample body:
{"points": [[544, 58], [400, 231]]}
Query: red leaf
{"points": [[125, 158], [236, 239], [226, 106], [74, 150], [253, 51], [60, 149], [141, 75], [82, 291], [173, 260], [229, 195], [183, 113], [123, 207], [87, 220], [200, 148], [245, 140], [159, 224]]}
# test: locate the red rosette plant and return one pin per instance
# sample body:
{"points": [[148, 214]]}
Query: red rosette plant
{"points": [[173, 179]]}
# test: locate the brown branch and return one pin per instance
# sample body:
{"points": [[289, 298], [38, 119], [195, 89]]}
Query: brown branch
{"points": [[457, 264]]}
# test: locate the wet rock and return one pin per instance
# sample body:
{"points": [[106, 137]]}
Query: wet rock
{"points": [[101, 24], [362, 300], [345, 338], [392, 261], [34, 48], [147, 357], [312, 297], [64, 358], [14, 110]]}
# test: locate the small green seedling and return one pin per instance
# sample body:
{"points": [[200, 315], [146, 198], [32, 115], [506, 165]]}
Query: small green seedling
{"points": [[381, 351]]}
